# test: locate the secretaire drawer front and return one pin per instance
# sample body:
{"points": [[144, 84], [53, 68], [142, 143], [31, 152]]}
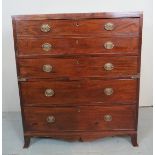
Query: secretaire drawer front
{"points": [[60, 46], [109, 66], [83, 118], [79, 92], [120, 26]]}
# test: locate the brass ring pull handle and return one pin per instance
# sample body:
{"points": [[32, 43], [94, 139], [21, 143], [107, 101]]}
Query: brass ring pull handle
{"points": [[108, 91], [50, 119], [45, 28], [109, 26], [109, 45], [49, 92], [46, 46], [47, 68], [108, 66], [107, 118]]}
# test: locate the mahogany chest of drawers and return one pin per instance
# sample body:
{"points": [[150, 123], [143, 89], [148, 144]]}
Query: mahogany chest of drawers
{"points": [[78, 74]]}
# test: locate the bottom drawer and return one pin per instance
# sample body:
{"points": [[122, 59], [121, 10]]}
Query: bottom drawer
{"points": [[82, 118]]}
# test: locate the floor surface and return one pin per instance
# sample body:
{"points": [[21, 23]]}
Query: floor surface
{"points": [[13, 140]]}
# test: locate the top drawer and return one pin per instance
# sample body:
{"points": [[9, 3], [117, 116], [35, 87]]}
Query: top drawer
{"points": [[104, 27]]}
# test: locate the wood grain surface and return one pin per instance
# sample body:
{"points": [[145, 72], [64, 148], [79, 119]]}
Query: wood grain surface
{"points": [[79, 27], [80, 119], [79, 67], [74, 46]]}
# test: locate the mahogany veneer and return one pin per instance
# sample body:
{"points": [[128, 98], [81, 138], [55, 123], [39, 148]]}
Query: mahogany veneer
{"points": [[78, 26], [123, 45], [85, 67], [69, 118], [76, 92], [79, 74]]}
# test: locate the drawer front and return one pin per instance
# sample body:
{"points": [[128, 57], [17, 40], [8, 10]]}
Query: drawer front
{"points": [[95, 118], [88, 92], [60, 46], [122, 26], [109, 66]]}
